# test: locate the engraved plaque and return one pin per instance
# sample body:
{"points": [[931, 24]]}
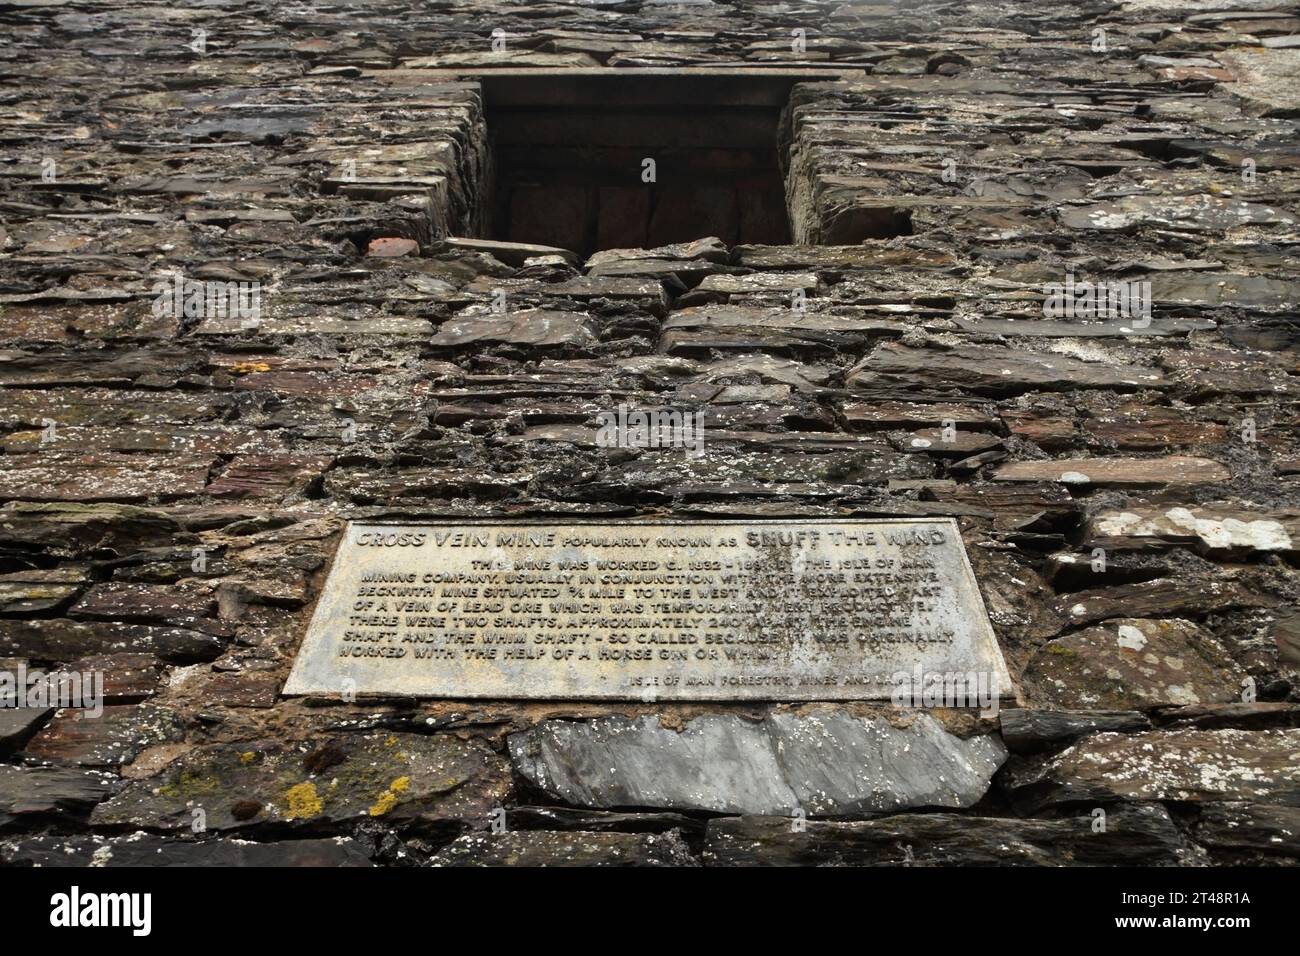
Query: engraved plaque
{"points": [[638, 610]]}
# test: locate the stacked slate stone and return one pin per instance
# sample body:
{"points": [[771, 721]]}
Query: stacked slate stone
{"points": [[173, 482]]}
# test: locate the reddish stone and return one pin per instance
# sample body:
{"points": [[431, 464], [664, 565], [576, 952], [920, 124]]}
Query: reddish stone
{"points": [[390, 246]]}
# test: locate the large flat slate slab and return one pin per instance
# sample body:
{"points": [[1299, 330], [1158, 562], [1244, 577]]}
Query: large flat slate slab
{"points": [[1141, 834], [1185, 766], [826, 763]]}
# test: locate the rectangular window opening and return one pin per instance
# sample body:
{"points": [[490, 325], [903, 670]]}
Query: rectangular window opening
{"points": [[612, 159]]}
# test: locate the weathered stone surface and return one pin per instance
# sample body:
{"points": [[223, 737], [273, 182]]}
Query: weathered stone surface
{"points": [[241, 689], [1199, 213], [61, 640], [758, 282], [710, 249], [649, 294], [599, 821], [109, 740], [1009, 501], [1161, 598], [1140, 835], [105, 477], [144, 849], [1250, 826], [1026, 731], [481, 58], [39, 592], [126, 677], [114, 407], [876, 415], [1239, 715], [1266, 82], [288, 326], [1069, 571], [1036, 327], [186, 605], [399, 778], [536, 328], [268, 476], [677, 274], [813, 610], [1217, 288], [18, 724], [941, 444], [511, 253], [1285, 631], [391, 247], [1169, 765], [1218, 530], [1135, 472], [43, 793], [73, 529], [828, 763], [1147, 429], [542, 848], [1133, 663], [990, 371], [744, 328], [177, 439], [836, 257]]}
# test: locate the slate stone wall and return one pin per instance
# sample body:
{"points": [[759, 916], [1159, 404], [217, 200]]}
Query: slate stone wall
{"points": [[173, 484]]}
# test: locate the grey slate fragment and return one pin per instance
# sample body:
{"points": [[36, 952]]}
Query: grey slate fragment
{"points": [[44, 791], [1031, 731], [1191, 766], [535, 327], [1250, 826], [828, 763], [991, 371], [604, 821], [1139, 834], [17, 724], [58, 639], [547, 848], [143, 849]]}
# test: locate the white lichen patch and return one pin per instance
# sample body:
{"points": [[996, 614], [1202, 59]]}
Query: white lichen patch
{"points": [[1131, 637]]}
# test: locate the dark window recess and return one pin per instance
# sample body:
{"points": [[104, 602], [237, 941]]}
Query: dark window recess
{"points": [[568, 152]]}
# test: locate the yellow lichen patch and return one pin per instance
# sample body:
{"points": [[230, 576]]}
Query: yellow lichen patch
{"points": [[247, 757], [388, 799], [188, 785], [247, 368], [301, 801]]}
